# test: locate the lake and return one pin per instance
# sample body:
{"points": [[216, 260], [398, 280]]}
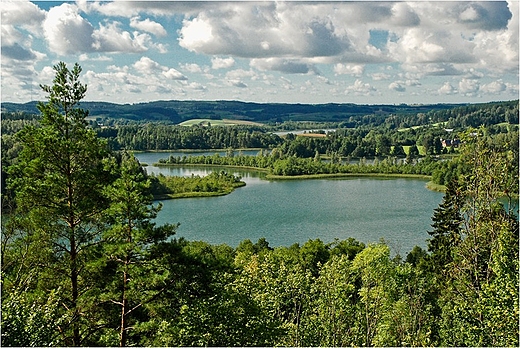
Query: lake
{"points": [[294, 211]]}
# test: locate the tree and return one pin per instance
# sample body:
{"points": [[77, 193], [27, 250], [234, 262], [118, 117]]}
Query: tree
{"points": [[398, 151], [447, 224], [413, 153], [332, 321], [480, 300], [138, 277], [377, 274], [57, 182]]}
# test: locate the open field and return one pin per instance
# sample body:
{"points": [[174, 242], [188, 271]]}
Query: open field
{"points": [[312, 135], [438, 124], [224, 122]]}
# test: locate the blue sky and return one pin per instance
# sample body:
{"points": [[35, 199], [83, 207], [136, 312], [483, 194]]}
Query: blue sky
{"points": [[367, 52]]}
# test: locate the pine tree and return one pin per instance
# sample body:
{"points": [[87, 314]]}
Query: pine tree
{"points": [[57, 182], [136, 273]]}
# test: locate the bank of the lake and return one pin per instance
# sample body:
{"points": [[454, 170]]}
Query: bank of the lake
{"points": [[429, 185], [367, 208]]}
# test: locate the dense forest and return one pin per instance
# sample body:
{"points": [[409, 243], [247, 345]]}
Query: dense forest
{"points": [[174, 111], [84, 264]]}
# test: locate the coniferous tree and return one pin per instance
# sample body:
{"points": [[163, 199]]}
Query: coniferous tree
{"points": [[137, 275], [447, 224], [57, 182]]}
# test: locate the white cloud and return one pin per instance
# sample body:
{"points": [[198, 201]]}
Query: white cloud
{"points": [[238, 74], [469, 87], [477, 42], [255, 30], [191, 67], [447, 89], [16, 47], [347, 69], [361, 88], [222, 63], [397, 86], [24, 14], [494, 87], [99, 58], [149, 26], [143, 76], [111, 38], [148, 67], [172, 74], [66, 31], [237, 83]]}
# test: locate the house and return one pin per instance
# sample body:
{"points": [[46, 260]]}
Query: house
{"points": [[450, 143]]}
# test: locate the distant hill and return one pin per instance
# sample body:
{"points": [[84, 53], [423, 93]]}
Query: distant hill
{"points": [[178, 111]]}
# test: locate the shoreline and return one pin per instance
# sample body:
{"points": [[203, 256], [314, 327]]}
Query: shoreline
{"points": [[429, 185]]}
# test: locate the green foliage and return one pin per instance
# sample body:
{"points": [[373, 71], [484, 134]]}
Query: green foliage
{"points": [[216, 183], [476, 248], [136, 276], [83, 263], [31, 322], [57, 180]]}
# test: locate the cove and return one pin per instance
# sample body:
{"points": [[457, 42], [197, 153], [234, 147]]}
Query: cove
{"points": [[286, 212]]}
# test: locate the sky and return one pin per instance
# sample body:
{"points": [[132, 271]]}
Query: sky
{"points": [[364, 52]]}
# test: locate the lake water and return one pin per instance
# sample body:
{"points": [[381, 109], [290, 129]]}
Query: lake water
{"points": [[288, 212]]}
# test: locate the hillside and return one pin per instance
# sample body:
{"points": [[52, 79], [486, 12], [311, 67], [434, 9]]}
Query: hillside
{"points": [[178, 111]]}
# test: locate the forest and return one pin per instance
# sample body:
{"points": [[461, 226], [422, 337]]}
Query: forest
{"points": [[84, 264]]}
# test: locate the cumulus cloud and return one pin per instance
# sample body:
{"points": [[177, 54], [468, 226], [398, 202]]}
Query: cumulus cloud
{"points": [[15, 51], [347, 69], [24, 14], [397, 86], [255, 30], [237, 83], [222, 63], [148, 67], [144, 76], [447, 89], [67, 32], [60, 22], [149, 26], [172, 74], [110, 38], [191, 67], [469, 87], [476, 41], [380, 76], [361, 88], [494, 87]]}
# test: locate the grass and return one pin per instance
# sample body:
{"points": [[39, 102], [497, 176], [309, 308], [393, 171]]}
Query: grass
{"points": [[438, 124], [422, 152], [224, 122], [430, 185]]}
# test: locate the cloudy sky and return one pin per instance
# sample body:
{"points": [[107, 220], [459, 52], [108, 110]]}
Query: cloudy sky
{"points": [[368, 52]]}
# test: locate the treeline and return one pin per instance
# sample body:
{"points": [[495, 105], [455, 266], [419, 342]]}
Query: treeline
{"points": [[167, 137], [289, 165], [174, 111]]}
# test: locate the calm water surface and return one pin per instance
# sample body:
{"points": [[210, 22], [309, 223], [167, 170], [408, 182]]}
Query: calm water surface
{"points": [[288, 212]]}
